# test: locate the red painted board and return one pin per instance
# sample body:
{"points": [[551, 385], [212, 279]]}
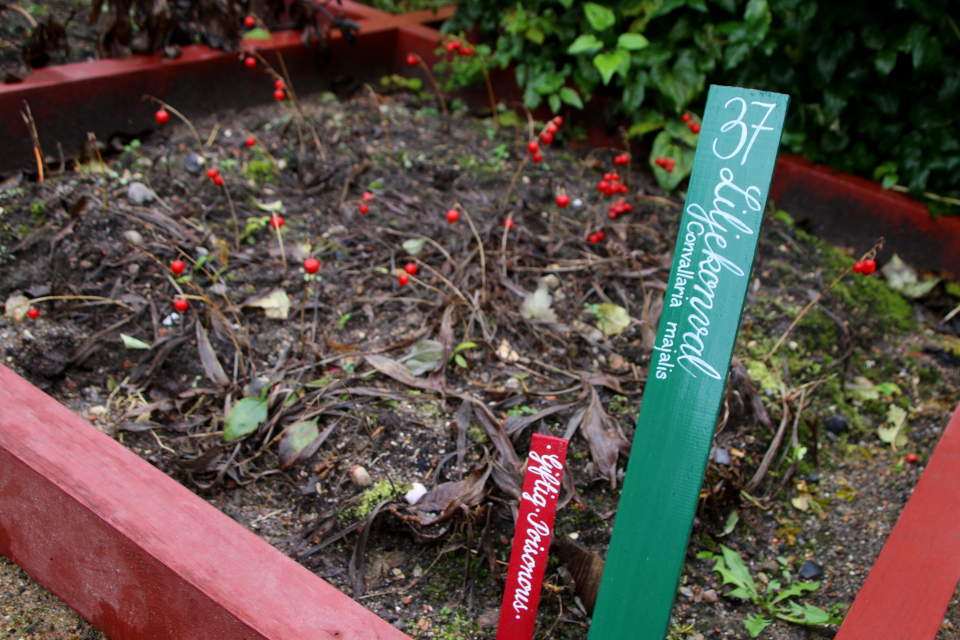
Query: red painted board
{"points": [[531, 541], [910, 585], [137, 554], [854, 212]]}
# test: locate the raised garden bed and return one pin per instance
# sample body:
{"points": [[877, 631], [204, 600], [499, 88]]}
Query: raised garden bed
{"points": [[447, 585], [415, 179]]}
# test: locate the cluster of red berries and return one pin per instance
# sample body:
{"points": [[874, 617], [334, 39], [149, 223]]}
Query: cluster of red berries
{"points": [[411, 270], [619, 207], [610, 185], [279, 92], [546, 136], [364, 207], [866, 267], [455, 46], [596, 236], [249, 22], [694, 127], [214, 175], [667, 164], [623, 158]]}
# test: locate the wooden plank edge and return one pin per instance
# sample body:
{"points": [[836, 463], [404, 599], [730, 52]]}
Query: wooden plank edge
{"points": [[139, 555], [908, 590]]}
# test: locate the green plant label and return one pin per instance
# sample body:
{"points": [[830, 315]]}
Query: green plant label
{"points": [[719, 229]]}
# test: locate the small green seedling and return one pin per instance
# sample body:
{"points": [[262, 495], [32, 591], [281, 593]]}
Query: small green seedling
{"points": [[773, 599]]}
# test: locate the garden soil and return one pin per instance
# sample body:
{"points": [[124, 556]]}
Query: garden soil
{"points": [[338, 348]]}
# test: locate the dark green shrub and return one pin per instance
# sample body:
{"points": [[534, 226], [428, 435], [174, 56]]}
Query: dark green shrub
{"points": [[874, 84]]}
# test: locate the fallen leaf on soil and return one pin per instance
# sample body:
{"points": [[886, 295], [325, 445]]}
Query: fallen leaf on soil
{"points": [[297, 443], [449, 496], [604, 437], [904, 279], [893, 431], [612, 319], [208, 358], [489, 619], [423, 357], [413, 246], [276, 304], [129, 342], [586, 568], [397, 371], [270, 207], [537, 304], [861, 389], [244, 418]]}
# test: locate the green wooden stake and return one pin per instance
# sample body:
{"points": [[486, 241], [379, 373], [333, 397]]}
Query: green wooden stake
{"points": [[717, 241]]}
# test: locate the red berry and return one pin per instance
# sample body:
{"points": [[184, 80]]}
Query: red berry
{"points": [[218, 180], [563, 200], [181, 305], [177, 266], [546, 137], [212, 173], [162, 116], [411, 268], [278, 84], [280, 95], [614, 213], [669, 168], [466, 51], [537, 156], [508, 223], [364, 208], [685, 117], [614, 176], [533, 146], [869, 266], [660, 162], [628, 207], [601, 235], [411, 60], [249, 22], [551, 127], [276, 222], [250, 61], [453, 45], [608, 176], [311, 265], [694, 127], [602, 186], [912, 458], [592, 238], [624, 189], [251, 142], [558, 121], [453, 215], [367, 196], [33, 313], [403, 279]]}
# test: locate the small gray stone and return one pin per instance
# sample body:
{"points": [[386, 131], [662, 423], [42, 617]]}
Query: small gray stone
{"points": [[139, 193], [836, 424], [133, 237], [192, 164], [810, 570], [720, 456]]}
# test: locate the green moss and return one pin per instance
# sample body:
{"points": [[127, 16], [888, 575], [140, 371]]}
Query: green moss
{"points": [[369, 499], [478, 435], [817, 331], [259, 171]]}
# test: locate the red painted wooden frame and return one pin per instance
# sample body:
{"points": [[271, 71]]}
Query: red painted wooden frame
{"points": [[910, 585], [139, 555]]}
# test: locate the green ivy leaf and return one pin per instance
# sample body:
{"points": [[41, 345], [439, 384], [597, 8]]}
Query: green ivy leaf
{"points": [[632, 42], [599, 17], [885, 62], [554, 102], [608, 63], [244, 418], [571, 97], [649, 120], [535, 34], [586, 43]]}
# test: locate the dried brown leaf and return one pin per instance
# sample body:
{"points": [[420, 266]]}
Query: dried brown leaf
{"points": [[604, 437], [208, 358]]}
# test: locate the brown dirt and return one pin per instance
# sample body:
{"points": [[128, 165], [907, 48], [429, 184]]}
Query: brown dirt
{"points": [[437, 579]]}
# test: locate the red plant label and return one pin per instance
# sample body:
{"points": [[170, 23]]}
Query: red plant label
{"points": [[531, 542]]}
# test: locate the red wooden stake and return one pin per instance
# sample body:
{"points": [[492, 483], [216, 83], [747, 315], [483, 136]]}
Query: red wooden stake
{"points": [[531, 542]]}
